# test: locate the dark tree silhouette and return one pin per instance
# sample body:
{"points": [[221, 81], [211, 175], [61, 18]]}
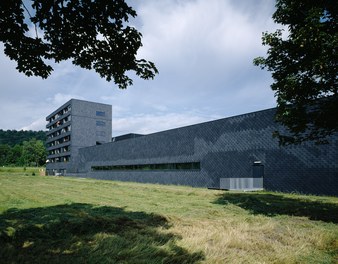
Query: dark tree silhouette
{"points": [[92, 34], [304, 69]]}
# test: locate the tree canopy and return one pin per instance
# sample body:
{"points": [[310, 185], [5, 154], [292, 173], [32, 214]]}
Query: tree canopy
{"points": [[22, 148], [92, 34], [14, 137], [34, 152], [304, 69], [31, 152]]}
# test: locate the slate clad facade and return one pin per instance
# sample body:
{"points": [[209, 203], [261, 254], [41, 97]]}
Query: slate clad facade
{"points": [[74, 125], [225, 148]]}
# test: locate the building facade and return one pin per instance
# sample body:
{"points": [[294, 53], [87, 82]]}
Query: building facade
{"points": [[231, 153], [221, 154], [75, 125]]}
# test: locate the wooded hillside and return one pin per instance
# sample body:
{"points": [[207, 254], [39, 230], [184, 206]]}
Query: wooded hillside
{"points": [[14, 137], [22, 148]]}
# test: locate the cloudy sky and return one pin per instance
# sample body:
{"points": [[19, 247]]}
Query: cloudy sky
{"points": [[203, 50]]}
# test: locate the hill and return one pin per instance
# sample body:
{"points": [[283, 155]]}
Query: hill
{"points": [[14, 137]]}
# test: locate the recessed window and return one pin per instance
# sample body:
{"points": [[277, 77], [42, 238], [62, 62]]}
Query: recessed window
{"points": [[101, 133], [100, 113], [100, 123], [161, 166]]}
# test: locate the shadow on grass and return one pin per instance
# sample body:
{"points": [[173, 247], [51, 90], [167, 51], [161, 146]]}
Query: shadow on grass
{"points": [[82, 233], [278, 204]]}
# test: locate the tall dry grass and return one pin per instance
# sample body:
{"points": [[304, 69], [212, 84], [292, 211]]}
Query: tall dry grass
{"points": [[51, 219]]}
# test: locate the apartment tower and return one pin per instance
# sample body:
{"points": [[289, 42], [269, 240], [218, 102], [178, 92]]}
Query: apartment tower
{"points": [[75, 125]]}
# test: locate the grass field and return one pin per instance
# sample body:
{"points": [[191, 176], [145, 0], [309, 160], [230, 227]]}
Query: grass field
{"points": [[73, 220]]}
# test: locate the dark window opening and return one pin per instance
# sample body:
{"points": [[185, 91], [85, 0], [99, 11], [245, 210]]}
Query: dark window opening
{"points": [[100, 113], [161, 166], [100, 123], [101, 133]]}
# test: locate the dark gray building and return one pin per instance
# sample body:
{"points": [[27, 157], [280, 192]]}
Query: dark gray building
{"points": [[75, 125], [231, 153]]}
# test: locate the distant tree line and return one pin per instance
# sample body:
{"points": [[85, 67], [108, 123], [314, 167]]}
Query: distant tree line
{"points": [[22, 148], [14, 137]]}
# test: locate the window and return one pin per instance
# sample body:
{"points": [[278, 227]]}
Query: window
{"points": [[161, 166], [101, 133], [100, 123], [100, 113]]}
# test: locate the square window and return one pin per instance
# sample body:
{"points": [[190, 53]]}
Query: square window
{"points": [[100, 113], [101, 133], [100, 123]]}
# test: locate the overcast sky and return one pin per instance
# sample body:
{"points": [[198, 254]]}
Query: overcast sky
{"points": [[203, 50]]}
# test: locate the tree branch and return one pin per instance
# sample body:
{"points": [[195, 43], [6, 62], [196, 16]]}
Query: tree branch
{"points": [[30, 16]]}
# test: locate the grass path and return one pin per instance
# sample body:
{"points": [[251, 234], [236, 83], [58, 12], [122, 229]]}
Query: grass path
{"points": [[73, 220]]}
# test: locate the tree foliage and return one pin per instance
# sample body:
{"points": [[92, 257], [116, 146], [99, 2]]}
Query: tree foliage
{"points": [[4, 154], [22, 148], [29, 153], [34, 152], [14, 137], [304, 69], [92, 34]]}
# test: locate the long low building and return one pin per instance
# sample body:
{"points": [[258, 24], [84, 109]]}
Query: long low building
{"points": [[236, 153]]}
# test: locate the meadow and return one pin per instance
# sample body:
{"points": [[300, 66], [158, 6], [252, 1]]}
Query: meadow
{"points": [[45, 219]]}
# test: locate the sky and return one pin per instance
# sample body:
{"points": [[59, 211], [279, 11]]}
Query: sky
{"points": [[202, 49]]}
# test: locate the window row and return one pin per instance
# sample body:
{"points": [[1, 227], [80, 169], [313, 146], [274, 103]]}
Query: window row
{"points": [[61, 131], [60, 159], [60, 113], [61, 122], [59, 150], [59, 141], [161, 166]]}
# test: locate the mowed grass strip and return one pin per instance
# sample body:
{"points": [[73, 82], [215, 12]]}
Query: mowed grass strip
{"points": [[74, 220]]}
